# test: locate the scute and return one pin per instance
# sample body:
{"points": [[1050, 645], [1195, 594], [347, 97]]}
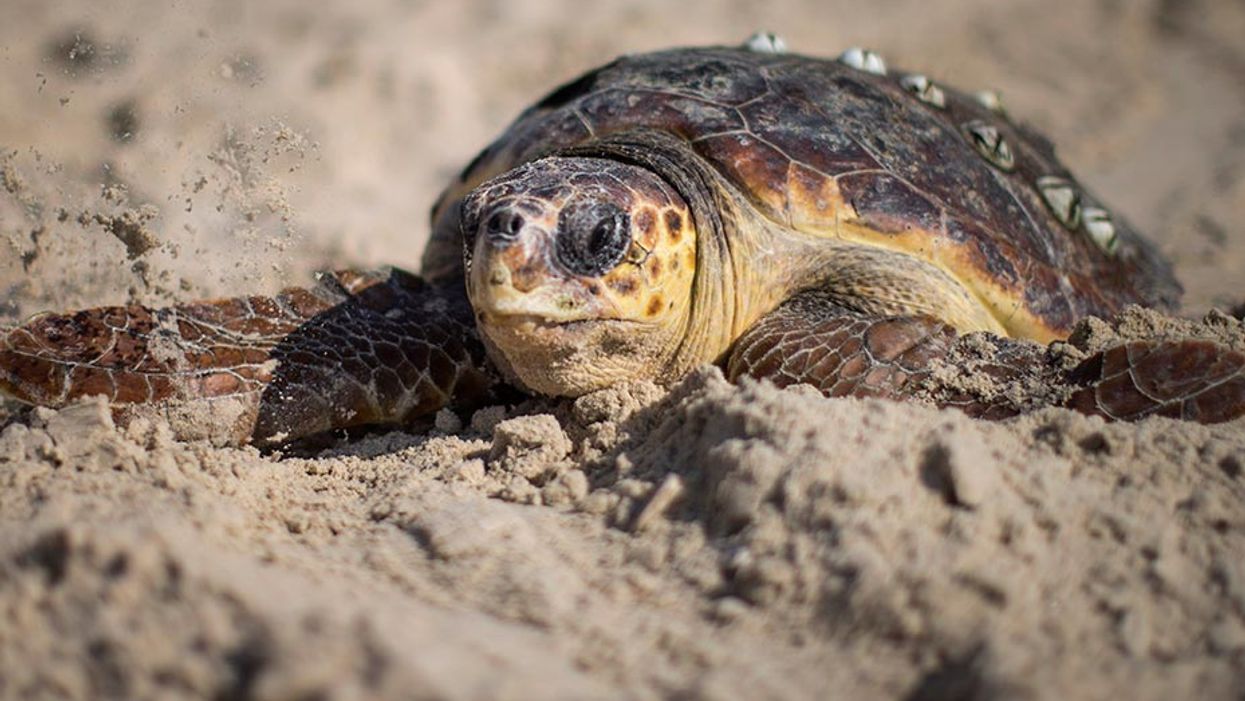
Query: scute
{"points": [[832, 151], [685, 115], [724, 76], [888, 204]]}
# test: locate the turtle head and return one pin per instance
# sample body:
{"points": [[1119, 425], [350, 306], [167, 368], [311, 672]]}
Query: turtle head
{"points": [[579, 271]]}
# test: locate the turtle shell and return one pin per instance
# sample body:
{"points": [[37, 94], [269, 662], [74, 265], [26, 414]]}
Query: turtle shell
{"points": [[886, 159]]}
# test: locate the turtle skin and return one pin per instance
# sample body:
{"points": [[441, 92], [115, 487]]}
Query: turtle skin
{"points": [[819, 148], [355, 349]]}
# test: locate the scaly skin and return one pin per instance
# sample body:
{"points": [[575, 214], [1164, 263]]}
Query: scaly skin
{"points": [[1192, 380], [813, 340], [360, 348]]}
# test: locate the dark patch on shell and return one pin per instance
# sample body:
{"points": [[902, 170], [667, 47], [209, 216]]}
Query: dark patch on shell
{"points": [[989, 256], [1044, 297], [888, 204], [797, 129], [680, 114], [724, 76]]}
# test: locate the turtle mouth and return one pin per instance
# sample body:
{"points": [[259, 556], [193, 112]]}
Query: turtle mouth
{"points": [[567, 357], [536, 323]]}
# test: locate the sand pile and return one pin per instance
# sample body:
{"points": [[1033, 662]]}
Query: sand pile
{"points": [[631, 542]]}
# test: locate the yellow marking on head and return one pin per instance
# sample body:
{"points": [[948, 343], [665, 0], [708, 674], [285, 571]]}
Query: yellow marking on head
{"points": [[644, 226], [654, 268]]}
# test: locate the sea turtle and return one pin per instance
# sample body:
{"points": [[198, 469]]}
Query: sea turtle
{"points": [[801, 219]]}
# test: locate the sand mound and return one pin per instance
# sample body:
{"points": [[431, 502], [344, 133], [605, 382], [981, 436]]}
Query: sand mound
{"points": [[711, 539]]}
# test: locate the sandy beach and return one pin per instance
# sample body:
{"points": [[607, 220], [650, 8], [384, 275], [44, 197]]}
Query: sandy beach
{"points": [[701, 541]]}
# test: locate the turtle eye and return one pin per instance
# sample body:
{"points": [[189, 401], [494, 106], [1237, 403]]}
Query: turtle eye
{"points": [[593, 238]]}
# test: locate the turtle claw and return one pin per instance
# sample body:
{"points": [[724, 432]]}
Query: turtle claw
{"points": [[1195, 380]]}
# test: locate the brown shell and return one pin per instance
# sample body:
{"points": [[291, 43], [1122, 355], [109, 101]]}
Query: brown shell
{"points": [[810, 139]]}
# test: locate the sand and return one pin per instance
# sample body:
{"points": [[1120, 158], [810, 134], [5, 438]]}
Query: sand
{"points": [[705, 541]]}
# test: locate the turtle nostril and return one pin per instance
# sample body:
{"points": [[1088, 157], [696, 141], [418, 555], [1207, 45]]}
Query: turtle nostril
{"points": [[504, 224]]}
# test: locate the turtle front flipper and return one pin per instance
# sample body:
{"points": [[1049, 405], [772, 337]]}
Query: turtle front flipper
{"points": [[815, 339], [355, 349]]}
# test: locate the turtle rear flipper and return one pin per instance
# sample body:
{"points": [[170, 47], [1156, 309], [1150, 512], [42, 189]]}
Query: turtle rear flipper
{"points": [[1195, 380], [356, 349], [812, 339]]}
